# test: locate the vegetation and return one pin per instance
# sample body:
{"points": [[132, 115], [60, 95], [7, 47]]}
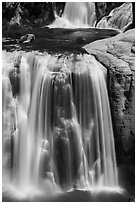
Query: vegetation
{"points": [[31, 10]]}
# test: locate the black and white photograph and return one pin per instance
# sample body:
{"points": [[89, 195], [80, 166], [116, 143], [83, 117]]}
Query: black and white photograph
{"points": [[68, 101]]}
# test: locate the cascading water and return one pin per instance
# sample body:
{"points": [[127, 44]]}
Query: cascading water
{"points": [[64, 137], [76, 15], [79, 13]]}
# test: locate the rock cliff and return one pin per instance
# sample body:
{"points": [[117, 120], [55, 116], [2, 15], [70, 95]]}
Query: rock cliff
{"points": [[117, 55]]}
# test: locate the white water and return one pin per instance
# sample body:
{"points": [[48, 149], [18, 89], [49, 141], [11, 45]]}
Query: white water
{"points": [[6, 120], [64, 138], [76, 15]]}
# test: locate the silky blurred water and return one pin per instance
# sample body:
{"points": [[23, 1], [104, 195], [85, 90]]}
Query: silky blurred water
{"points": [[63, 138], [57, 130], [76, 15]]}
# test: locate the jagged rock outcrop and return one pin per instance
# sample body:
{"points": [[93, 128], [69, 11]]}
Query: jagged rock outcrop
{"points": [[119, 18], [117, 54]]}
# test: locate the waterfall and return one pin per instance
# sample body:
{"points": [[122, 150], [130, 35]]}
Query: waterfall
{"points": [[79, 13], [22, 146], [76, 15], [64, 137], [7, 123]]}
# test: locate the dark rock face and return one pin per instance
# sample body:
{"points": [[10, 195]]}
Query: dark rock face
{"points": [[14, 76], [117, 54]]}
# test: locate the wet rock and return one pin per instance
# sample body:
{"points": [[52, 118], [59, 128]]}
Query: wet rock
{"points": [[67, 155], [14, 76], [118, 56], [30, 38], [27, 38], [17, 60]]}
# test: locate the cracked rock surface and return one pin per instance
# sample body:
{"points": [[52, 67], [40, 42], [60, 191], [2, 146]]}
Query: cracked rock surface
{"points": [[117, 55]]}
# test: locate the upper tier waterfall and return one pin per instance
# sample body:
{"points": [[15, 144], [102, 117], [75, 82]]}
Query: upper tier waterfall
{"points": [[76, 15]]}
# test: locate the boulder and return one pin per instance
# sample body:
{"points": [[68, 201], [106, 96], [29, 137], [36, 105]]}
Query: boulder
{"points": [[117, 55], [27, 38]]}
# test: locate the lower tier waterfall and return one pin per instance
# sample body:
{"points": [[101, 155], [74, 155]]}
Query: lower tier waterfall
{"points": [[63, 135]]}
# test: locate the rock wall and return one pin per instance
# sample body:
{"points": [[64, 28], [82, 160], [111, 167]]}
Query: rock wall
{"points": [[118, 18], [117, 55]]}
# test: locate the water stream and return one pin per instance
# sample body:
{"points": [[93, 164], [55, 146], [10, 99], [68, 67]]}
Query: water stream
{"points": [[76, 15], [63, 136], [64, 132]]}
